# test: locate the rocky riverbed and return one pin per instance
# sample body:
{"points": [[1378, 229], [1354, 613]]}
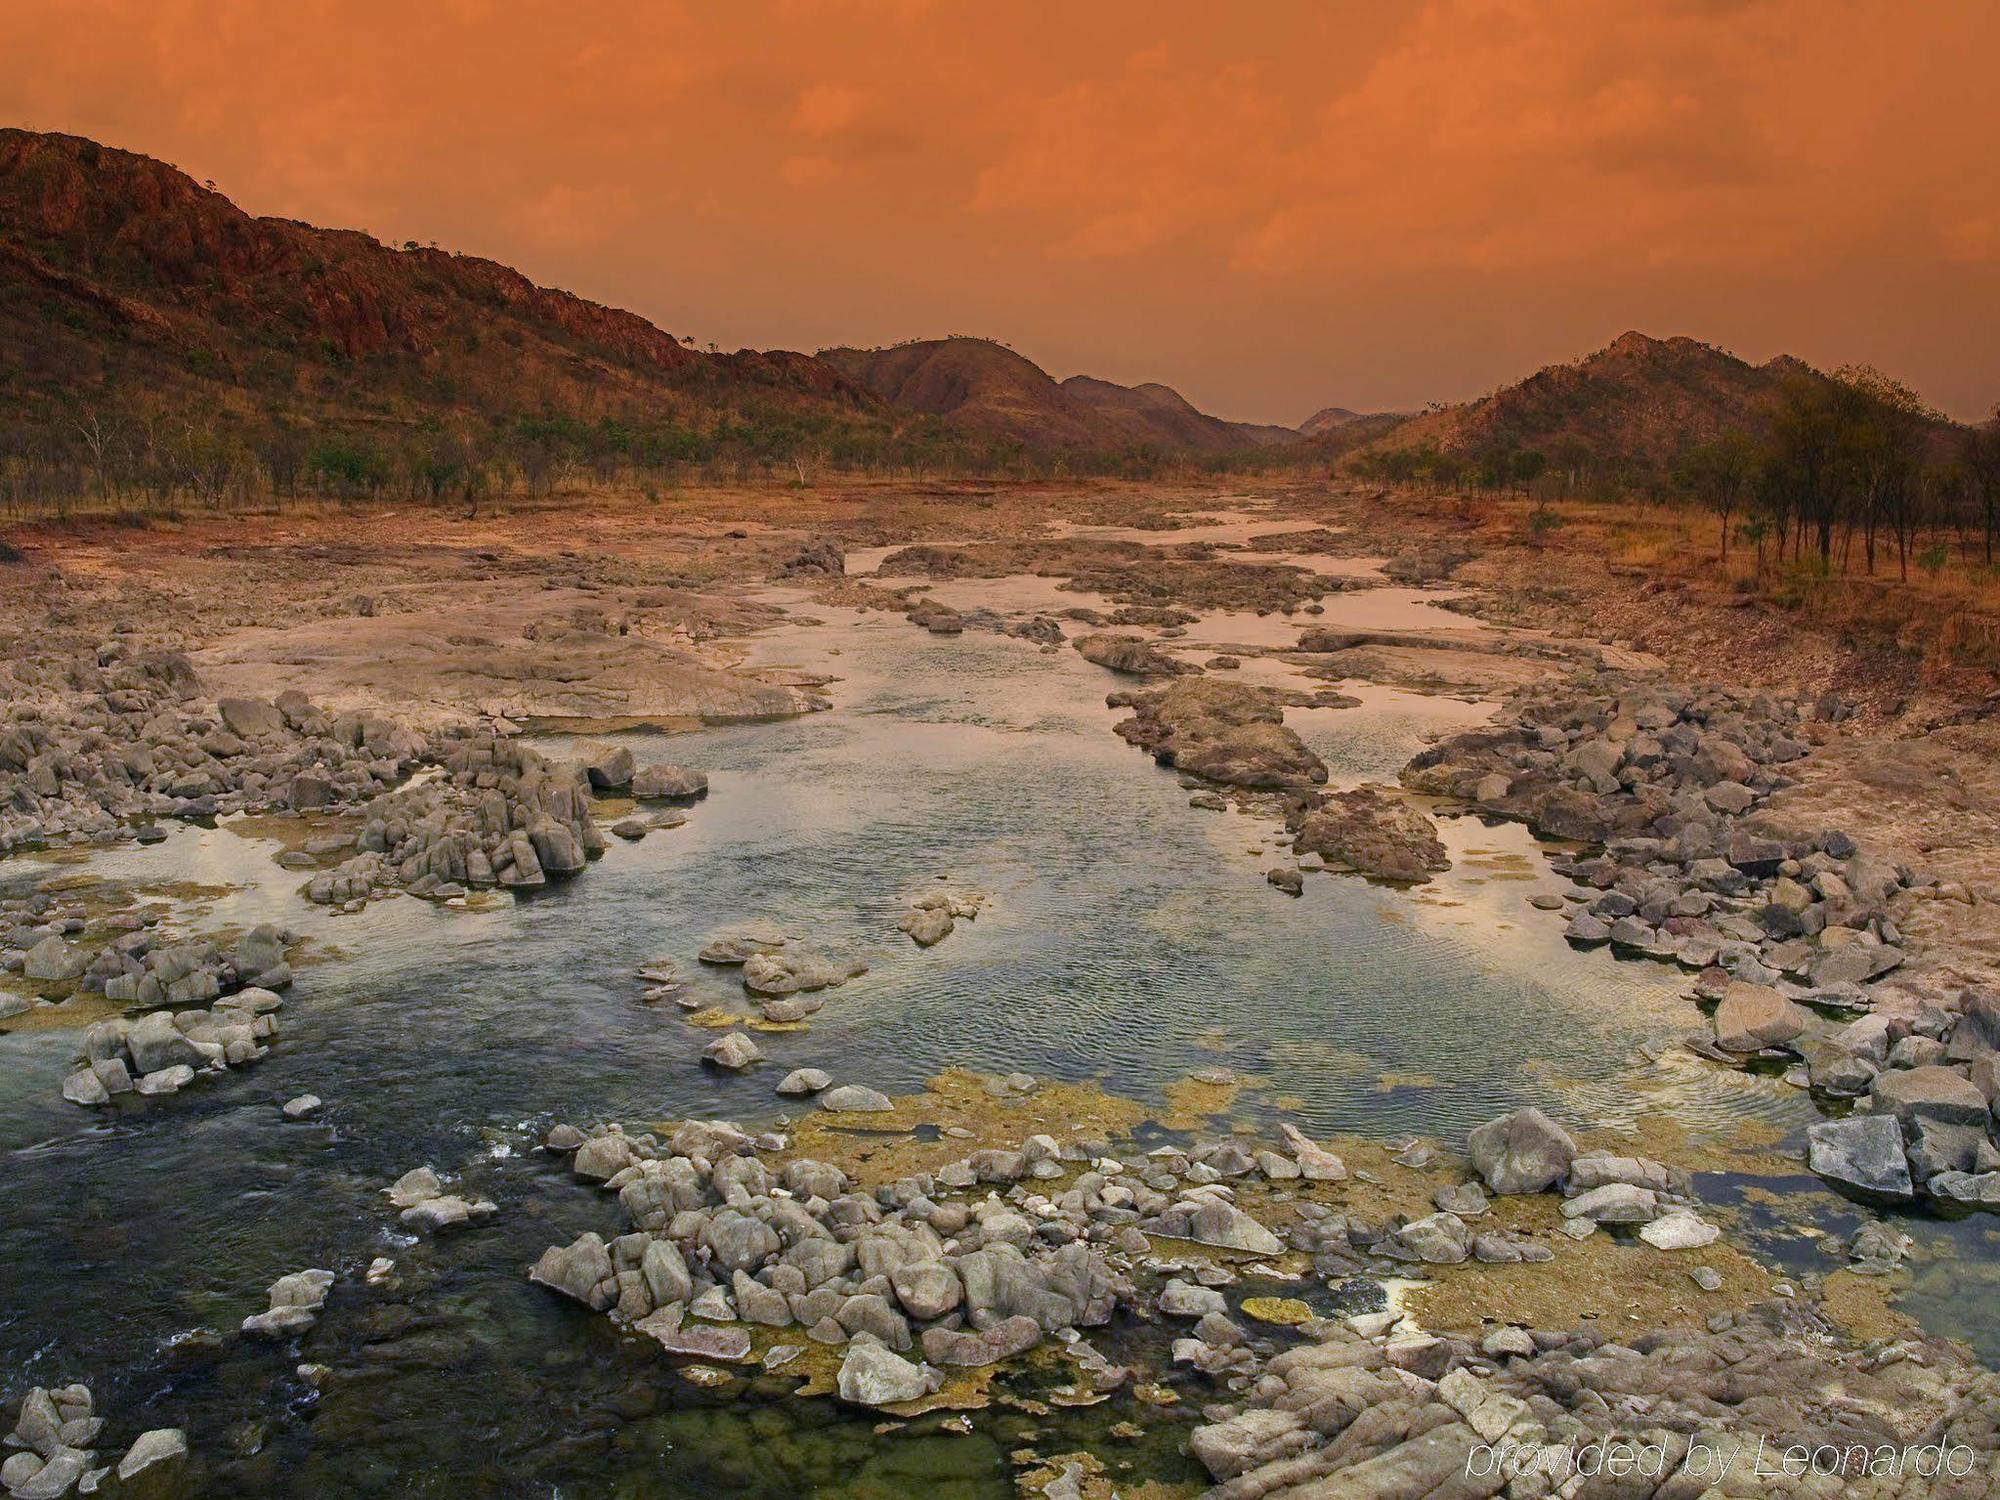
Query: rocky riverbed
{"points": [[1347, 1194]]}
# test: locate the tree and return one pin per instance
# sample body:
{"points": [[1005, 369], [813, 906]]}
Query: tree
{"points": [[1804, 476], [1527, 467], [283, 450], [1882, 426], [1982, 467], [1719, 475], [206, 463], [97, 440], [1755, 530]]}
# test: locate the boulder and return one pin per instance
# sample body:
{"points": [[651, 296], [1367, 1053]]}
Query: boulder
{"points": [[927, 927], [1522, 1152], [1228, 732], [1614, 1203], [1935, 1095], [53, 959], [1439, 1239], [1228, 1227], [1752, 1017], [156, 1043], [657, 781], [694, 1340], [997, 1341], [1129, 654], [733, 1051], [871, 1375], [1374, 832], [804, 1081], [1596, 1168], [1316, 1163], [610, 770], [928, 1290], [163, 1445], [582, 1270], [251, 718], [1863, 1151], [1183, 1299]]}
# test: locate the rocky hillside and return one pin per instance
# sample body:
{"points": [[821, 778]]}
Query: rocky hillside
{"points": [[1638, 401], [127, 287], [987, 389]]}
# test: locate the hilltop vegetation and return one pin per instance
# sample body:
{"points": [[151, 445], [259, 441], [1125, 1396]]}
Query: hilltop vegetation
{"points": [[1620, 419]]}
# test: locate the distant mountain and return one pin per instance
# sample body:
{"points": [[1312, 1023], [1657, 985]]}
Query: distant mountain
{"points": [[1332, 419], [1159, 414], [1639, 402], [982, 387]]}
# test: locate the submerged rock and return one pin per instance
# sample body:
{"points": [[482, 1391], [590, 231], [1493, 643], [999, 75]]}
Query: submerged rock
{"points": [[927, 927], [852, 1097]]}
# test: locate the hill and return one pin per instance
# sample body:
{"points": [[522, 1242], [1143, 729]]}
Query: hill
{"points": [[1160, 415], [129, 289], [985, 388], [1633, 406], [1339, 418], [154, 335]]}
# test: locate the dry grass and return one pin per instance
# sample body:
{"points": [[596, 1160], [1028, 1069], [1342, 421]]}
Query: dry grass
{"points": [[1945, 618]]}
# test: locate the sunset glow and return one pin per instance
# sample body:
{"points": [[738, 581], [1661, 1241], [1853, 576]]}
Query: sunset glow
{"points": [[1272, 207]]}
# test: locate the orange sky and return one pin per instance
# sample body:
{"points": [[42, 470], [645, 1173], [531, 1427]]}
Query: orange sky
{"points": [[1273, 206]]}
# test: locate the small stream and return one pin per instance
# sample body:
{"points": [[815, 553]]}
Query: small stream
{"points": [[1128, 939]]}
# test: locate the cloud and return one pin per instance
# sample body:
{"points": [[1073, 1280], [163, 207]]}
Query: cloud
{"points": [[826, 109], [1160, 150]]}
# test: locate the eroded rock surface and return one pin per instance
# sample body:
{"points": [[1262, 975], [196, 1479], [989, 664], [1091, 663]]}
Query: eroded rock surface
{"points": [[1223, 731]]}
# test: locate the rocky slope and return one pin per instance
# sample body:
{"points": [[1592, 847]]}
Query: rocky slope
{"points": [[125, 286]]}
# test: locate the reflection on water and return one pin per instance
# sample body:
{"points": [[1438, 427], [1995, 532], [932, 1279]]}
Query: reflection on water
{"points": [[1128, 938]]}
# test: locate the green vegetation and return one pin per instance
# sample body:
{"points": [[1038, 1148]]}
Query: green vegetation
{"points": [[80, 456]]}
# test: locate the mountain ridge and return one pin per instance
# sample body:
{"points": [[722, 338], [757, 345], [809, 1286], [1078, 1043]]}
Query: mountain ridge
{"points": [[131, 294], [983, 386]]}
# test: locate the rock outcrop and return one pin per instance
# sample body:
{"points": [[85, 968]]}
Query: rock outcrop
{"points": [[1228, 732]]}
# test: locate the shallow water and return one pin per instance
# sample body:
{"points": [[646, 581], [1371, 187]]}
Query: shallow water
{"points": [[1129, 938]]}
